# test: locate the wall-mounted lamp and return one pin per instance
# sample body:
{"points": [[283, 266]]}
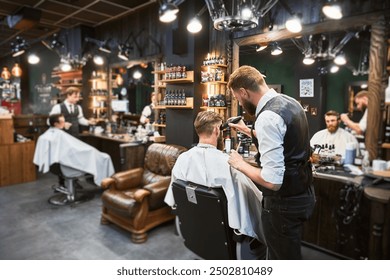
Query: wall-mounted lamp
{"points": [[33, 58], [168, 12], [276, 49], [332, 9], [19, 47]]}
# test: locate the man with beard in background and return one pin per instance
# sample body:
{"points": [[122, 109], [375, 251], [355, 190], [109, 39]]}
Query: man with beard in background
{"points": [[361, 100], [333, 134]]}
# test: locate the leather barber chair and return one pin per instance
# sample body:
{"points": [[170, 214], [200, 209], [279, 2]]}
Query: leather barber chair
{"points": [[134, 199], [68, 191], [203, 221]]}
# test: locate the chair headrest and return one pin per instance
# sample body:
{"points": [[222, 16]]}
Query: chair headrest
{"points": [[160, 158]]}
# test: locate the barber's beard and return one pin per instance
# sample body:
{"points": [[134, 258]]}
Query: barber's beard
{"points": [[249, 107]]}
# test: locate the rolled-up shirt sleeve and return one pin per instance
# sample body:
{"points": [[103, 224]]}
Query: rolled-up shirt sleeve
{"points": [[270, 130]]}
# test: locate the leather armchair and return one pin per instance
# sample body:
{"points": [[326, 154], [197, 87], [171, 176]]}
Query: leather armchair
{"points": [[134, 199]]}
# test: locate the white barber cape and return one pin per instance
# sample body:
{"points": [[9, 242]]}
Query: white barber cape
{"points": [[57, 146], [208, 166], [340, 139]]}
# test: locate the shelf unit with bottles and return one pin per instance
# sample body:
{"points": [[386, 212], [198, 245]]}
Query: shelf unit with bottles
{"points": [[214, 88], [67, 79], [163, 80]]}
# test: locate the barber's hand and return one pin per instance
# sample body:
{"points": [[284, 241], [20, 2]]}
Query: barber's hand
{"points": [[240, 126], [92, 121], [235, 160], [344, 117], [67, 125]]}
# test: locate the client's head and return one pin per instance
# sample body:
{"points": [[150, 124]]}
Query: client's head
{"points": [[57, 121], [207, 126]]}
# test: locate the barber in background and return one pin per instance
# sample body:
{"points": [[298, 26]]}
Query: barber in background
{"points": [[147, 115], [72, 112], [333, 134], [284, 174], [361, 100]]}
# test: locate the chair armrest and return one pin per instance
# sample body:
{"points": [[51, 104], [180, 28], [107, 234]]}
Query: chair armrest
{"points": [[107, 182], [157, 193], [140, 194]]}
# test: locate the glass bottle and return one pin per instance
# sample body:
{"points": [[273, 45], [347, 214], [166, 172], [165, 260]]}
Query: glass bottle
{"points": [[387, 92]]}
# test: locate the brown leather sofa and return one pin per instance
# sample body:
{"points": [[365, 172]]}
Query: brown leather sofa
{"points": [[134, 199]]}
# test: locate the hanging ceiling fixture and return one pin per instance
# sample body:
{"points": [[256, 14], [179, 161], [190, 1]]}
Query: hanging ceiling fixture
{"points": [[102, 45], [33, 58], [323, 47], [239, 15], [168, 11], [332, 9], [194, 26], [54, 43], [276, 49], [19, 47]]}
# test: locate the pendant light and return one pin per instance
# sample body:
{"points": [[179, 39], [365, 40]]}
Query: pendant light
{"points": [[16, 70], [6, 74]]}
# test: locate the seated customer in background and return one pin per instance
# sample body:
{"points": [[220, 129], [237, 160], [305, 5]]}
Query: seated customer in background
{"points": [[204, 164], [333, 134], [57, 146]]}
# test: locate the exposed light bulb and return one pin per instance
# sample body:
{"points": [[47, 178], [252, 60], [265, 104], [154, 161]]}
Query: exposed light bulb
{"points": [[334, 69], [16, 70], [293, 24], [340, 59], [246, 13], [332, 11], [33, 59], [194, 26], [65, 67], [137, 75], [308, 60], [98, 60]]}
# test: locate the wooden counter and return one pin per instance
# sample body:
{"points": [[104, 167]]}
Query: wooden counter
{"points": [[350, 217], [124, 154]]}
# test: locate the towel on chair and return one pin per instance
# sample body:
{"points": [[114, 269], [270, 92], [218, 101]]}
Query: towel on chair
{"points": [[57, 146]]}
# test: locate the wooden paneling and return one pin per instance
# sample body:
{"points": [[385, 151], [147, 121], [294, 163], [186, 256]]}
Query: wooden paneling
{"points": [[16, 164], [6, 131]]}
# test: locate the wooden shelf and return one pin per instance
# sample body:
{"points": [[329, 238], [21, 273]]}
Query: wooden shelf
{"points": [[209, 107], [213, 66], [189, 79], [159, 125], [161, 86], [68, 85], [73, 73], [189, 101], [386, 145], [214, 83]]}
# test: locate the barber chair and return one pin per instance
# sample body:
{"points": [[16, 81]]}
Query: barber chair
{"points": [[67, 191], [203, 221], [134, 199]]}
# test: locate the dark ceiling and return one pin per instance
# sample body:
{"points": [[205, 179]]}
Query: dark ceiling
{"points": [[56, 15]]}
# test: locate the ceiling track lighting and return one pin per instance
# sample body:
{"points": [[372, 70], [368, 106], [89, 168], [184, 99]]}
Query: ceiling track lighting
{"points": [[332, 9], [54, 43], [261, 46], [276, 49], [237, 15], [168, 11], [102, 45], [294, 23], [19, 47]]}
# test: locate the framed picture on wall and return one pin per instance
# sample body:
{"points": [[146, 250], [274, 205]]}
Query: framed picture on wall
{"points": [[276, 87], [306, 88]]}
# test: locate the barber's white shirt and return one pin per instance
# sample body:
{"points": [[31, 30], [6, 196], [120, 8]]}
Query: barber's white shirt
{"points": [[363, 121], [57, 110], [208, 166], [340, 139]]}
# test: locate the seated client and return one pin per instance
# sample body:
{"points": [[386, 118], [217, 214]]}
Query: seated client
{"points": [[204, 164], [57, 146]]}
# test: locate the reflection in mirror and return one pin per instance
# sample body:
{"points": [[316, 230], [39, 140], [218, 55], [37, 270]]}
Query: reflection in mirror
{"points": [[353, 88]]}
